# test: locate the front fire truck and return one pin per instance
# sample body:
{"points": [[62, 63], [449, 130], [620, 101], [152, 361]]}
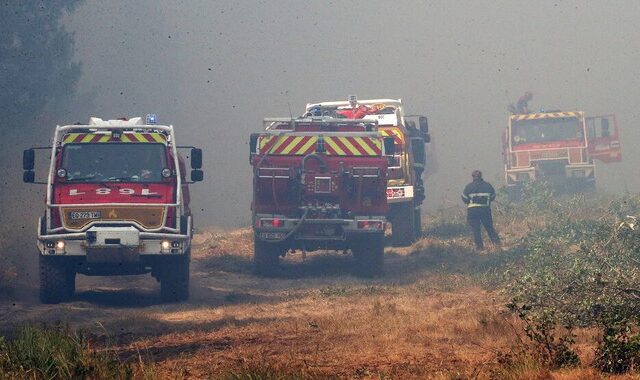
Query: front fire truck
{"points": [[319, 183], [117, 203], [411, 159], [559, 148]]}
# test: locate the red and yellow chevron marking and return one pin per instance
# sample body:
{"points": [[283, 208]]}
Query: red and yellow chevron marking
{"points": [[334, 145], [397, 135], [288, 145], [547, 115], [106, 138], [352, 146]]}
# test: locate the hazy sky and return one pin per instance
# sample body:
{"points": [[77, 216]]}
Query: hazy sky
{"points": [[214, 69]]}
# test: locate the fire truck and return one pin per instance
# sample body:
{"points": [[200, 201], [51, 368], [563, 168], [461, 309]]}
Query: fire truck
{"points": [[319, 183], [558, 147], [117, 203], [410, 161]]}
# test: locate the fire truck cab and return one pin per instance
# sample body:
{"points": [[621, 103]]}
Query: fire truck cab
{"points": [[558, 147], [117, 203]]}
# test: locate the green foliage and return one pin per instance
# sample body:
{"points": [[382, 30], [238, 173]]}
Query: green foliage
{"points": [[580, 273], [56, 353]]}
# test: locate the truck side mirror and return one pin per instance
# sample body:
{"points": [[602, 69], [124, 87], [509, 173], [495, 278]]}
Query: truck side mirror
{"points": [[419, 154], [28, 159], [196, 158], [197, 175], [28, 176], [424, 128], [389, 146]]}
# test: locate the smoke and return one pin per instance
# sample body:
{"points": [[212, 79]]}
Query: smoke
{"points": [[215, 69]]}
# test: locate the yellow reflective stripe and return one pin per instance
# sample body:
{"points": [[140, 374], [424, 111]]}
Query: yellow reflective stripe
{"points": [[104, 138], [281, 140], [291, 145], [158, 137], [139, 137], [365, 146], [125, 138], [306, 146], [334, 146], [264, 140], [70, 137], [87, 138], [345, 141]]}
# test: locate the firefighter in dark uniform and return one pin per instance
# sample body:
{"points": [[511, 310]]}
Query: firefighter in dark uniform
{"points": [[478, 196]]}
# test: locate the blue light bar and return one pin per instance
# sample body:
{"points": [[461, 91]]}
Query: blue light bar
{"points": [[152, 119]]}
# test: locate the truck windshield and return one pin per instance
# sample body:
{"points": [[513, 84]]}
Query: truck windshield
{"points": [[114, 162], [545, 130]]}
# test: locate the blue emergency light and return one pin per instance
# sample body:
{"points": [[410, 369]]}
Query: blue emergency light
{"points": [[152, 119]]}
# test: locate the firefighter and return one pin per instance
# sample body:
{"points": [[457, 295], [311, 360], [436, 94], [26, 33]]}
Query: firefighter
{"points": [[522, 106], [478, 196]]}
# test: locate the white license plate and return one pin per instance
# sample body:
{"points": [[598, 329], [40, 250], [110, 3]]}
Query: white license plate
{"points": [[272, 235], [84, 215]]}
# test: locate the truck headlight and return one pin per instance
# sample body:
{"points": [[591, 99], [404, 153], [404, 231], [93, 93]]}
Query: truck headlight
{"points": [[60, 246], [165, 245]]}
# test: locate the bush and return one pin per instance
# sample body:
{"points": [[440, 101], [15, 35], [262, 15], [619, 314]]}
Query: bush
{"points": [[56, 353], [583, 273]]}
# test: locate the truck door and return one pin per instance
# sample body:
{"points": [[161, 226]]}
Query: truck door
{"points": [[603, 138]]}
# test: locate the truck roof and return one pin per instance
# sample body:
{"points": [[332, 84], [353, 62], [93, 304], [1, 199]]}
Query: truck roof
{"points": [[546, 115]]}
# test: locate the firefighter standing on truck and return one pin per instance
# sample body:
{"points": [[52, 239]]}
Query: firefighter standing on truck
{"points": [[478, 196]]}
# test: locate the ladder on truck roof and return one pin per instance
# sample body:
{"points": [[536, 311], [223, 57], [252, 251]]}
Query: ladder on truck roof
{"points": [[270, 123]]}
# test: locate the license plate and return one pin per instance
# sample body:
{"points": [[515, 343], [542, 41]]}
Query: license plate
{"points": [[84, 215], [272, 235]]}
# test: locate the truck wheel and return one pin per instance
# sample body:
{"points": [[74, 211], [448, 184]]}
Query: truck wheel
{"points": [[174, 279], [266, 258], [417, 221], [403, 224], [369, 255], [57, 280]]}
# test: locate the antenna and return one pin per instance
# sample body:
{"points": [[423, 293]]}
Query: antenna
{"points": [[290, 113]]}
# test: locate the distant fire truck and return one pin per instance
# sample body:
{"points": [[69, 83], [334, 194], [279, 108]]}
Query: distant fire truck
{"points": [[410, 161], [558, 147], [319, 183], [117, 203]]}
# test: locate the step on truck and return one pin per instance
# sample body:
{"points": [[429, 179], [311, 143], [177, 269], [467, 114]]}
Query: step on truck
{"points": [[319, 183], [558, 147], [410, 161], [117, 203]]}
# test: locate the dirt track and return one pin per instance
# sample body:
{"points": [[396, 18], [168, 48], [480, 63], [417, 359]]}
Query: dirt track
{"points": [[427, 315]]}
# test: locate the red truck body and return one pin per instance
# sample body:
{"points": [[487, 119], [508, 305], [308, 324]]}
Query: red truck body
{"points": [[319, 183], [558, 147], [117, 203]]}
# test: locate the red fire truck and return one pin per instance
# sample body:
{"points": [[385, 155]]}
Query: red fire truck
{"points": [[117, 203], [558, 147], [411, 158], [319, 183]]}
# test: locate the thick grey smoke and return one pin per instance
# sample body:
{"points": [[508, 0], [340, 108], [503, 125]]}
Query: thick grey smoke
{"points": [[214, 69]]}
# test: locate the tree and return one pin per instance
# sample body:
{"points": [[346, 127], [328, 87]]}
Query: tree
{"points": [[36, 59]]}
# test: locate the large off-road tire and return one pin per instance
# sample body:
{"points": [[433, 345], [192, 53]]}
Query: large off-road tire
{"points": [[174, 279], [266, 258], [403, 225], [369, 255], [57, 280], [417, 223]]}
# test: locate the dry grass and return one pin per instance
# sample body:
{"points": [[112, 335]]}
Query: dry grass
{"points": [[431, 316]]}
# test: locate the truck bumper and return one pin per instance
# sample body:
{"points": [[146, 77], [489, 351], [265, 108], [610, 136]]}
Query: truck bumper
{"points": [[329, 233], [106, 244]]}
